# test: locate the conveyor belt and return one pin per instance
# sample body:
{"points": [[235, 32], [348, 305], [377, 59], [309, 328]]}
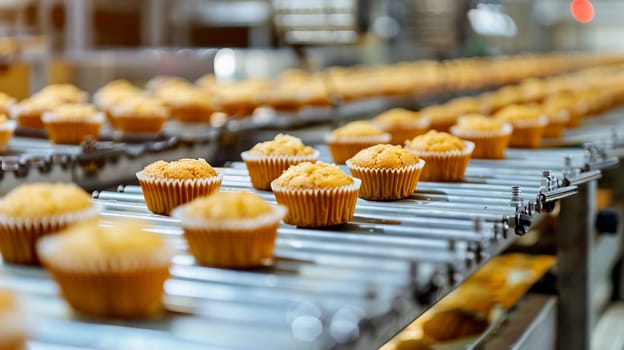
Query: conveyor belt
{"points": [[352, 286]]}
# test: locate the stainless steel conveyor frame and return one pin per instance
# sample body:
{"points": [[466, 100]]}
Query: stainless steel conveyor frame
{"points": [[351, 287]]}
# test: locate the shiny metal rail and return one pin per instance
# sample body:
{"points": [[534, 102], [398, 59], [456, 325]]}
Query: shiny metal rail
{"points": [[352, 286]]}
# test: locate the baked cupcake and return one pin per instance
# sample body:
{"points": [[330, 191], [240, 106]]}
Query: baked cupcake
{"points": [[558, 118], [446, 156], [13, 328], [166, 185], [387, 172], [67, 93], [32, 211], [568, 102], [490, 136], [159, 83], [188, 104], [117, 270], [27, 113], [316, 194], [139, 115], [353, 137], [402, 124], [267, 160], [528, 124], [72, 123], [230, 229], [114, 93], [6, 102], [7, 127], [465, 105], [238, 98], [533, 90], [442, 117]]}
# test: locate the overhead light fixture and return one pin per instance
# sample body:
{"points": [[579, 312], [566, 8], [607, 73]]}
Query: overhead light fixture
{"points": [[582, 10]]}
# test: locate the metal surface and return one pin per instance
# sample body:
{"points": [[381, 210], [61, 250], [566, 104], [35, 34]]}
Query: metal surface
{"points": [[575, 247], [352, 286]]}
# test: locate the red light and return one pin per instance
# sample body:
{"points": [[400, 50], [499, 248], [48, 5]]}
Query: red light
{"points": [[582, 10]]}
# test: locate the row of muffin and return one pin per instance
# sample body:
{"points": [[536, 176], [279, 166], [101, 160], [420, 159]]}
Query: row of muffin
{"points": [[132, 110]]}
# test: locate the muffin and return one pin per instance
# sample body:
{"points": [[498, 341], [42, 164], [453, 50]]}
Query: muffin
{"points": [[32, 211], [6, 102], [465, 105], [316, 194], [348, 140], [72, 123], [113, 93], [446, 156], [27, 113], [558, 118], [166, 185], [138, 115], [188, 104], [267, 160], [402, 124], [13, 326], [489, 135], [66, 93], [533, 90], [528, 124], [7, 127], [387, 172], [442, 117], [117, 270], [159, 83], [230, 229], [238, 98], [568, 102]]}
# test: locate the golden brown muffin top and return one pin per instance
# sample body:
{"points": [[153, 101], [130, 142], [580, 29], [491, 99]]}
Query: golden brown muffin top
{"points": [[439, 112], [514, 113], [74, 111], [384, 156], [479, 122], [118, 85], [166, 81], [139, 106], [180, 169], [227, 206], [465, 105], [5, 99], [40, 103], [282, 145], [44, 199], [184, 96], [306, 175], [436, 141], [90, 240], [357, 129], [3, 118], [64, 92], [397, 117]]}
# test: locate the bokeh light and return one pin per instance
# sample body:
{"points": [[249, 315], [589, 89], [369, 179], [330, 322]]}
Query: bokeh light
{"points": [[582, 10]]}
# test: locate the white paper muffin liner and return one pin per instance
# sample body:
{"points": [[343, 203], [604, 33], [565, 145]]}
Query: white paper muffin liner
{"points": [[318, 207], [18, 236], [49, 249], [343, 148], [231, 243], [387, 183], [445, 166], [163, 195], [264, 169]]}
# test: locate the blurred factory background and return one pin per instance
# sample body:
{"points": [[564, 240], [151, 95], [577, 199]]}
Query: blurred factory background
{"points": [[316, 33]]}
